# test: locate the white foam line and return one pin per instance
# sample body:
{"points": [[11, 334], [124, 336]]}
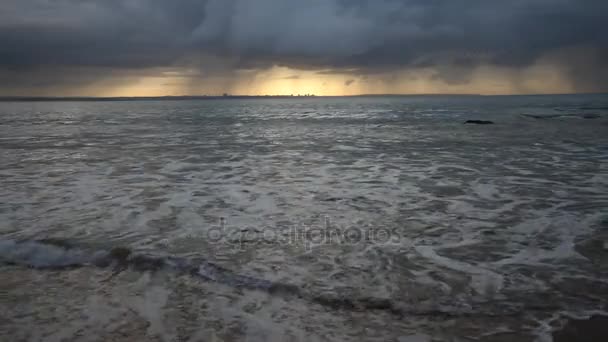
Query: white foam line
{"points": [[482, 281]]}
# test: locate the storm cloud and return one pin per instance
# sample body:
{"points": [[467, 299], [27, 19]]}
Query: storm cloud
{"points": [[350, 36]]}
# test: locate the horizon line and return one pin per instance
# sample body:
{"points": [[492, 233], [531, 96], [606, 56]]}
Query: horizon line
{"points": [[25, 98]]}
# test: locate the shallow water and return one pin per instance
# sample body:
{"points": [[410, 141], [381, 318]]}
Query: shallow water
{"points": [[391, 218]]}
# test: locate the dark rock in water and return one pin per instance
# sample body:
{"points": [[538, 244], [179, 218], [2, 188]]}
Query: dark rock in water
{"points": [[479, 122], [590, 330]]}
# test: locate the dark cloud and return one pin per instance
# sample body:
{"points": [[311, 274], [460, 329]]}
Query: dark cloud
{"points": [[338, 36]]}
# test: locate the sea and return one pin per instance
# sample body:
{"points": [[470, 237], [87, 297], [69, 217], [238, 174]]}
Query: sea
{"points": [[380, 218]]}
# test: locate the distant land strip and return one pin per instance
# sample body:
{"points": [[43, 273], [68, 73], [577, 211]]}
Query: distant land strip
{"points": [[246, 97], [200, 97]]}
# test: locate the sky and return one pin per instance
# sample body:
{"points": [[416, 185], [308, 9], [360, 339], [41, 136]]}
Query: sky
{"points": [[283, 47]]}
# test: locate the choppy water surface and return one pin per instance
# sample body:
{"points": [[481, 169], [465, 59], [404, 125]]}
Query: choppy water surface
{"points": [[305, 219]]}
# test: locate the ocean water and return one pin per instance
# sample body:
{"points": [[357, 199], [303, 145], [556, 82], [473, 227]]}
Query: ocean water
{"points": [[312, 219]]}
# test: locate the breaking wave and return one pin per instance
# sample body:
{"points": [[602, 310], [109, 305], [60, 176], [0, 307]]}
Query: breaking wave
{"points": [[62, 255]]}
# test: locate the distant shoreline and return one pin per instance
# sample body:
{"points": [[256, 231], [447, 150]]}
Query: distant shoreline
{"points": [[242, 97]]}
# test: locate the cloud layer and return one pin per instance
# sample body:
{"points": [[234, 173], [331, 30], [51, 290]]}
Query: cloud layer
{"points": [[352, 36]]}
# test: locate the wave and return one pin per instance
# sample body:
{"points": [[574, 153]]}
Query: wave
{"points": [[47, 254], [62, 255]]}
